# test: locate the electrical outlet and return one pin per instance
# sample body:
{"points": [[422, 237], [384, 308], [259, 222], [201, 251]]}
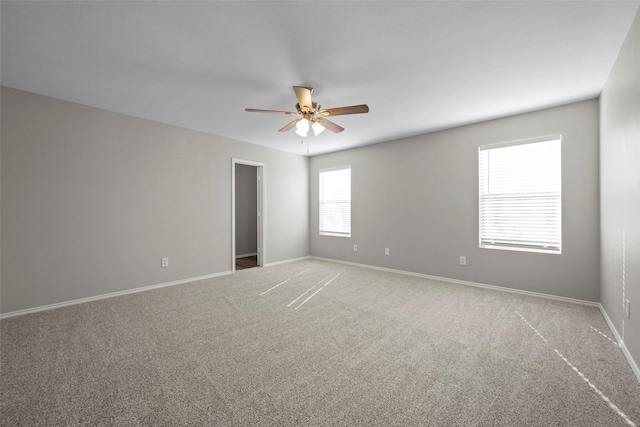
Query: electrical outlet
{"points": [[627, 309], [463, 260], [355, 248], [386, 251], [165, 262]]}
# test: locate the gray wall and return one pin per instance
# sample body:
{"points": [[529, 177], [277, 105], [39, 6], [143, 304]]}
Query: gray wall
{"points": [[246, 210], [92, 200], [620, 191], [419, 197]]}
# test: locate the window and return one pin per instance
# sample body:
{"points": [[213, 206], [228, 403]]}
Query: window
{"points": [[520, 203], [335, 202]]}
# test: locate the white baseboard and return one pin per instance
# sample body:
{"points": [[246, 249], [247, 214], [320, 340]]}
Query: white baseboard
{"points": [[129, 291], [286, 261], [625, 350], [109, 295], [466, 283], [246, 255]]}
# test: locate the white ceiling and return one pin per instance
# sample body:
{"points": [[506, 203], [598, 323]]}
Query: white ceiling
{"points": [[420, 66]]}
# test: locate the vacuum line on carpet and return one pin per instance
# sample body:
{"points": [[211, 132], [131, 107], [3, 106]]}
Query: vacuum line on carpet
{"points": [[282, 283], [323, 279], [334, 277], [306, 292], [531, 326], [593, 387], [613, 341], [308, 298], [313, 294], [270, 289], [605, 398]]}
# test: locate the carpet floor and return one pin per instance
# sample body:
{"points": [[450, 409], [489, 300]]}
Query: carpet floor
{"points": [[316, 343]]}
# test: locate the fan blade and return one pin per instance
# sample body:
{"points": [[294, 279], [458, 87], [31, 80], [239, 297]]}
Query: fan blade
{"points": [[329, 125], [254, 110], [304, 97], [341, 111], [289, 126]]}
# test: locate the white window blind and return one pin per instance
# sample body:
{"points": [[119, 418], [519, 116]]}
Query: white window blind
{"points": [[335, 202], [520, 196]]}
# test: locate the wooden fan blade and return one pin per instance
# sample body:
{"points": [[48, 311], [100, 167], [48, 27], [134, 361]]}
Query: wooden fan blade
{"points": [[304, 97], [341, 111], [254, 110], [289, 126], [329, 125]]}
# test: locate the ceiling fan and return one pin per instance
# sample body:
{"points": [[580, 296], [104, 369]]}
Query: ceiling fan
{"points": [[312, 115]]}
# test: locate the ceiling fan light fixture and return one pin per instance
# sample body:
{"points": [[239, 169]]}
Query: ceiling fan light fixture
{"points": [[317, 128], [302, 127], [311, 115]]}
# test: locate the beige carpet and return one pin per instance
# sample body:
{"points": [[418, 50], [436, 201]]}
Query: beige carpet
{"points": [[316, 343]]}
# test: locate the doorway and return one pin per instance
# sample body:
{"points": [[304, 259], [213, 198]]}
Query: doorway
{"points": [[247, 214]]}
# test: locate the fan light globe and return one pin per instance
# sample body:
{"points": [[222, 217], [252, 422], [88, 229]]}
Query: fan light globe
{"points": [[302, 127], [317, 128]]}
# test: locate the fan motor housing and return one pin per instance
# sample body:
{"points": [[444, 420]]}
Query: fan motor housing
{"points": [[315, 107]]}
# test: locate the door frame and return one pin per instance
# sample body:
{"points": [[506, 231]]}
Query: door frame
{"points": [[260, 205]]}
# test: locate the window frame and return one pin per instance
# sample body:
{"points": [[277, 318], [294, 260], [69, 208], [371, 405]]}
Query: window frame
{"points": [[321, 202], [535, 248]]}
